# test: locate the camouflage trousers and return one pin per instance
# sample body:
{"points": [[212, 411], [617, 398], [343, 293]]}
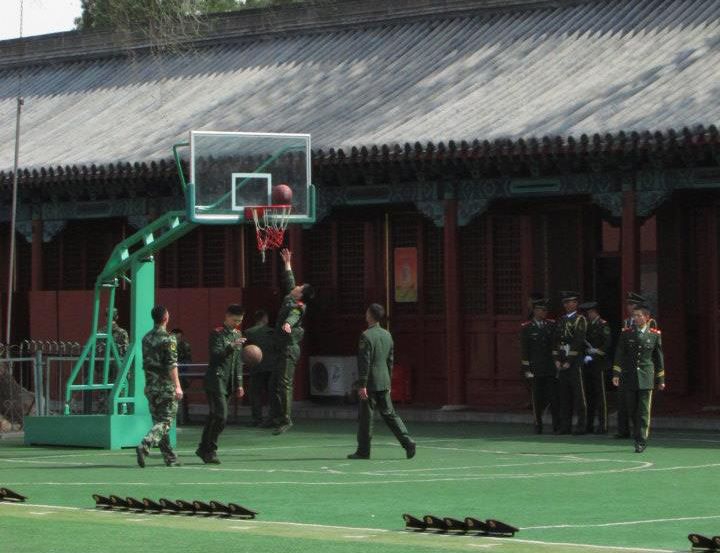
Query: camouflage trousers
{"points": [[163, 410]]}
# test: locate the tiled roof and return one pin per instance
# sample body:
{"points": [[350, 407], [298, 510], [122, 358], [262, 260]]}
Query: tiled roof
{"points": [[595, 68]]}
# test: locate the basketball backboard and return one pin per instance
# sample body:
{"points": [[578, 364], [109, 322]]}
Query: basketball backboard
{"points": [[232, 171]]}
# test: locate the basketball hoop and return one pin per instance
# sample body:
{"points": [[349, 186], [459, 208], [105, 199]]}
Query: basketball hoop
{"points": [[271, 221]]}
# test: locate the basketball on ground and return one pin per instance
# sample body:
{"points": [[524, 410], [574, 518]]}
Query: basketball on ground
{"points": [[282, 195], [251, 355]]}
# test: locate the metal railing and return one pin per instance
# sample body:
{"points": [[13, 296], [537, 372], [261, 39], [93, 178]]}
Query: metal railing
{"points": [[25, 386]]}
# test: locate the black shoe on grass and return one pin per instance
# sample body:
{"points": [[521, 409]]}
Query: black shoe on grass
{"points": [[141, 452]]}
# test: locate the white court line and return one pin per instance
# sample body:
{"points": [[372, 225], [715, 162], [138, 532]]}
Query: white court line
{"points": [[377, 530], [624, 523], [587, 545]]}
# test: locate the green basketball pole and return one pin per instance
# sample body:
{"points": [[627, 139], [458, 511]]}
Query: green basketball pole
{"points": [[126, 419]]}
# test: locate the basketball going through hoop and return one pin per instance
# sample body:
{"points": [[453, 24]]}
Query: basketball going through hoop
{"points": [[270, 224], [282, 195]]}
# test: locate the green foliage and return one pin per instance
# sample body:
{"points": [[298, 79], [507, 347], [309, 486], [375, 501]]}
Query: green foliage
{"points": [[122, 14]]}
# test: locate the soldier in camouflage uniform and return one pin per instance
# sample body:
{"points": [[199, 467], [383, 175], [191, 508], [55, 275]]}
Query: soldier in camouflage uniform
{"points": [[119, 334], [162, 387], [184, 356], [569, 344], [223, 379], [289, 332], [596, 363]]}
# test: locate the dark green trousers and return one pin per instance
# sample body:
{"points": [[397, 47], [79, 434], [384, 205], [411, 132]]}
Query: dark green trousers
{"points": [[542, 390], [259, 390], [282, 388], [623, 423], [216, 421], [638, 404], [381, 402], [571, 398], [594, 381]]}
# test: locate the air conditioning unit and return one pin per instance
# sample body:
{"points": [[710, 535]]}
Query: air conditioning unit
{"points": [[332, 376]]}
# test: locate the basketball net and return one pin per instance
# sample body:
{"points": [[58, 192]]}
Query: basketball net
{"points": [[271, 221]]}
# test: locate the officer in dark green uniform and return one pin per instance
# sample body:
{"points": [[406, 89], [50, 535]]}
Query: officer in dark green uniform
{"points": [[184, 357], [537, 366], [633, 301], [222, 379], [569, 344], [375, 363], [289, 333], [639, 369], [596, 363], [263, 336], [162, 387]]}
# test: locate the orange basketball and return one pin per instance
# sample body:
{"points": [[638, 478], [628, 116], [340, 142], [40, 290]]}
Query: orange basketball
{"points": [[251, 355], [282, 195]]}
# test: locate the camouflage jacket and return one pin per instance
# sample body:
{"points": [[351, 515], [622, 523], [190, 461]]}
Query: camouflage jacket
{"points": [[159, 358], [121, 339], [292, 312], [184, 352]]}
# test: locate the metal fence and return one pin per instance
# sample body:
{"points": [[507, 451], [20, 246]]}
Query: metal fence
{"points": [[34, 376], [26, 385]]}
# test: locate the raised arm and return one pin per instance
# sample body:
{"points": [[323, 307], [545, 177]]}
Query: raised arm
{"points": [[288, 280]]}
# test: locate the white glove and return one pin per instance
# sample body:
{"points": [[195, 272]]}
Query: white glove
{"points": [[588, 359], [528, 374]]}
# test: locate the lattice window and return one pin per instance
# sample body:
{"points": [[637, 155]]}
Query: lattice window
{"points": [[188, 262], [507, 278], [564, 251], [541, 252], [474, 266], [213, 256], [167, 261], [51, 263], [23, 262], [318, 244], [434, 275], [105, 234], [73, 253], [351, 267]]}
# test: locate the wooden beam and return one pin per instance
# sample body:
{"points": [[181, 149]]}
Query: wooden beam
{"points": [[453, 320], [36, 276], [629, 246]]}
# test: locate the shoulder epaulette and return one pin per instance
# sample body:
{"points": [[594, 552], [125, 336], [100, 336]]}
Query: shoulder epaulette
{"points": [[628, 329], [655, 330], [603, 321], [526, 323], [550, 320], [218, 328]]}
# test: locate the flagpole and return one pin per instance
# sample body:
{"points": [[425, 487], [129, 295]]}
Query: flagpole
{"points": [[13, 209]]}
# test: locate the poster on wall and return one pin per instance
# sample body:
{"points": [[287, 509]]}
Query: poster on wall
{"points": [[406, 275]]}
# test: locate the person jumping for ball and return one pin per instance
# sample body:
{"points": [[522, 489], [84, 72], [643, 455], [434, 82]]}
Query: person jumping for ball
{"points": [[289, 333]]}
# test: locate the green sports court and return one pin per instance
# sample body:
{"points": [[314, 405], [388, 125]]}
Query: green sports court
{"points": [[589, 494]]}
